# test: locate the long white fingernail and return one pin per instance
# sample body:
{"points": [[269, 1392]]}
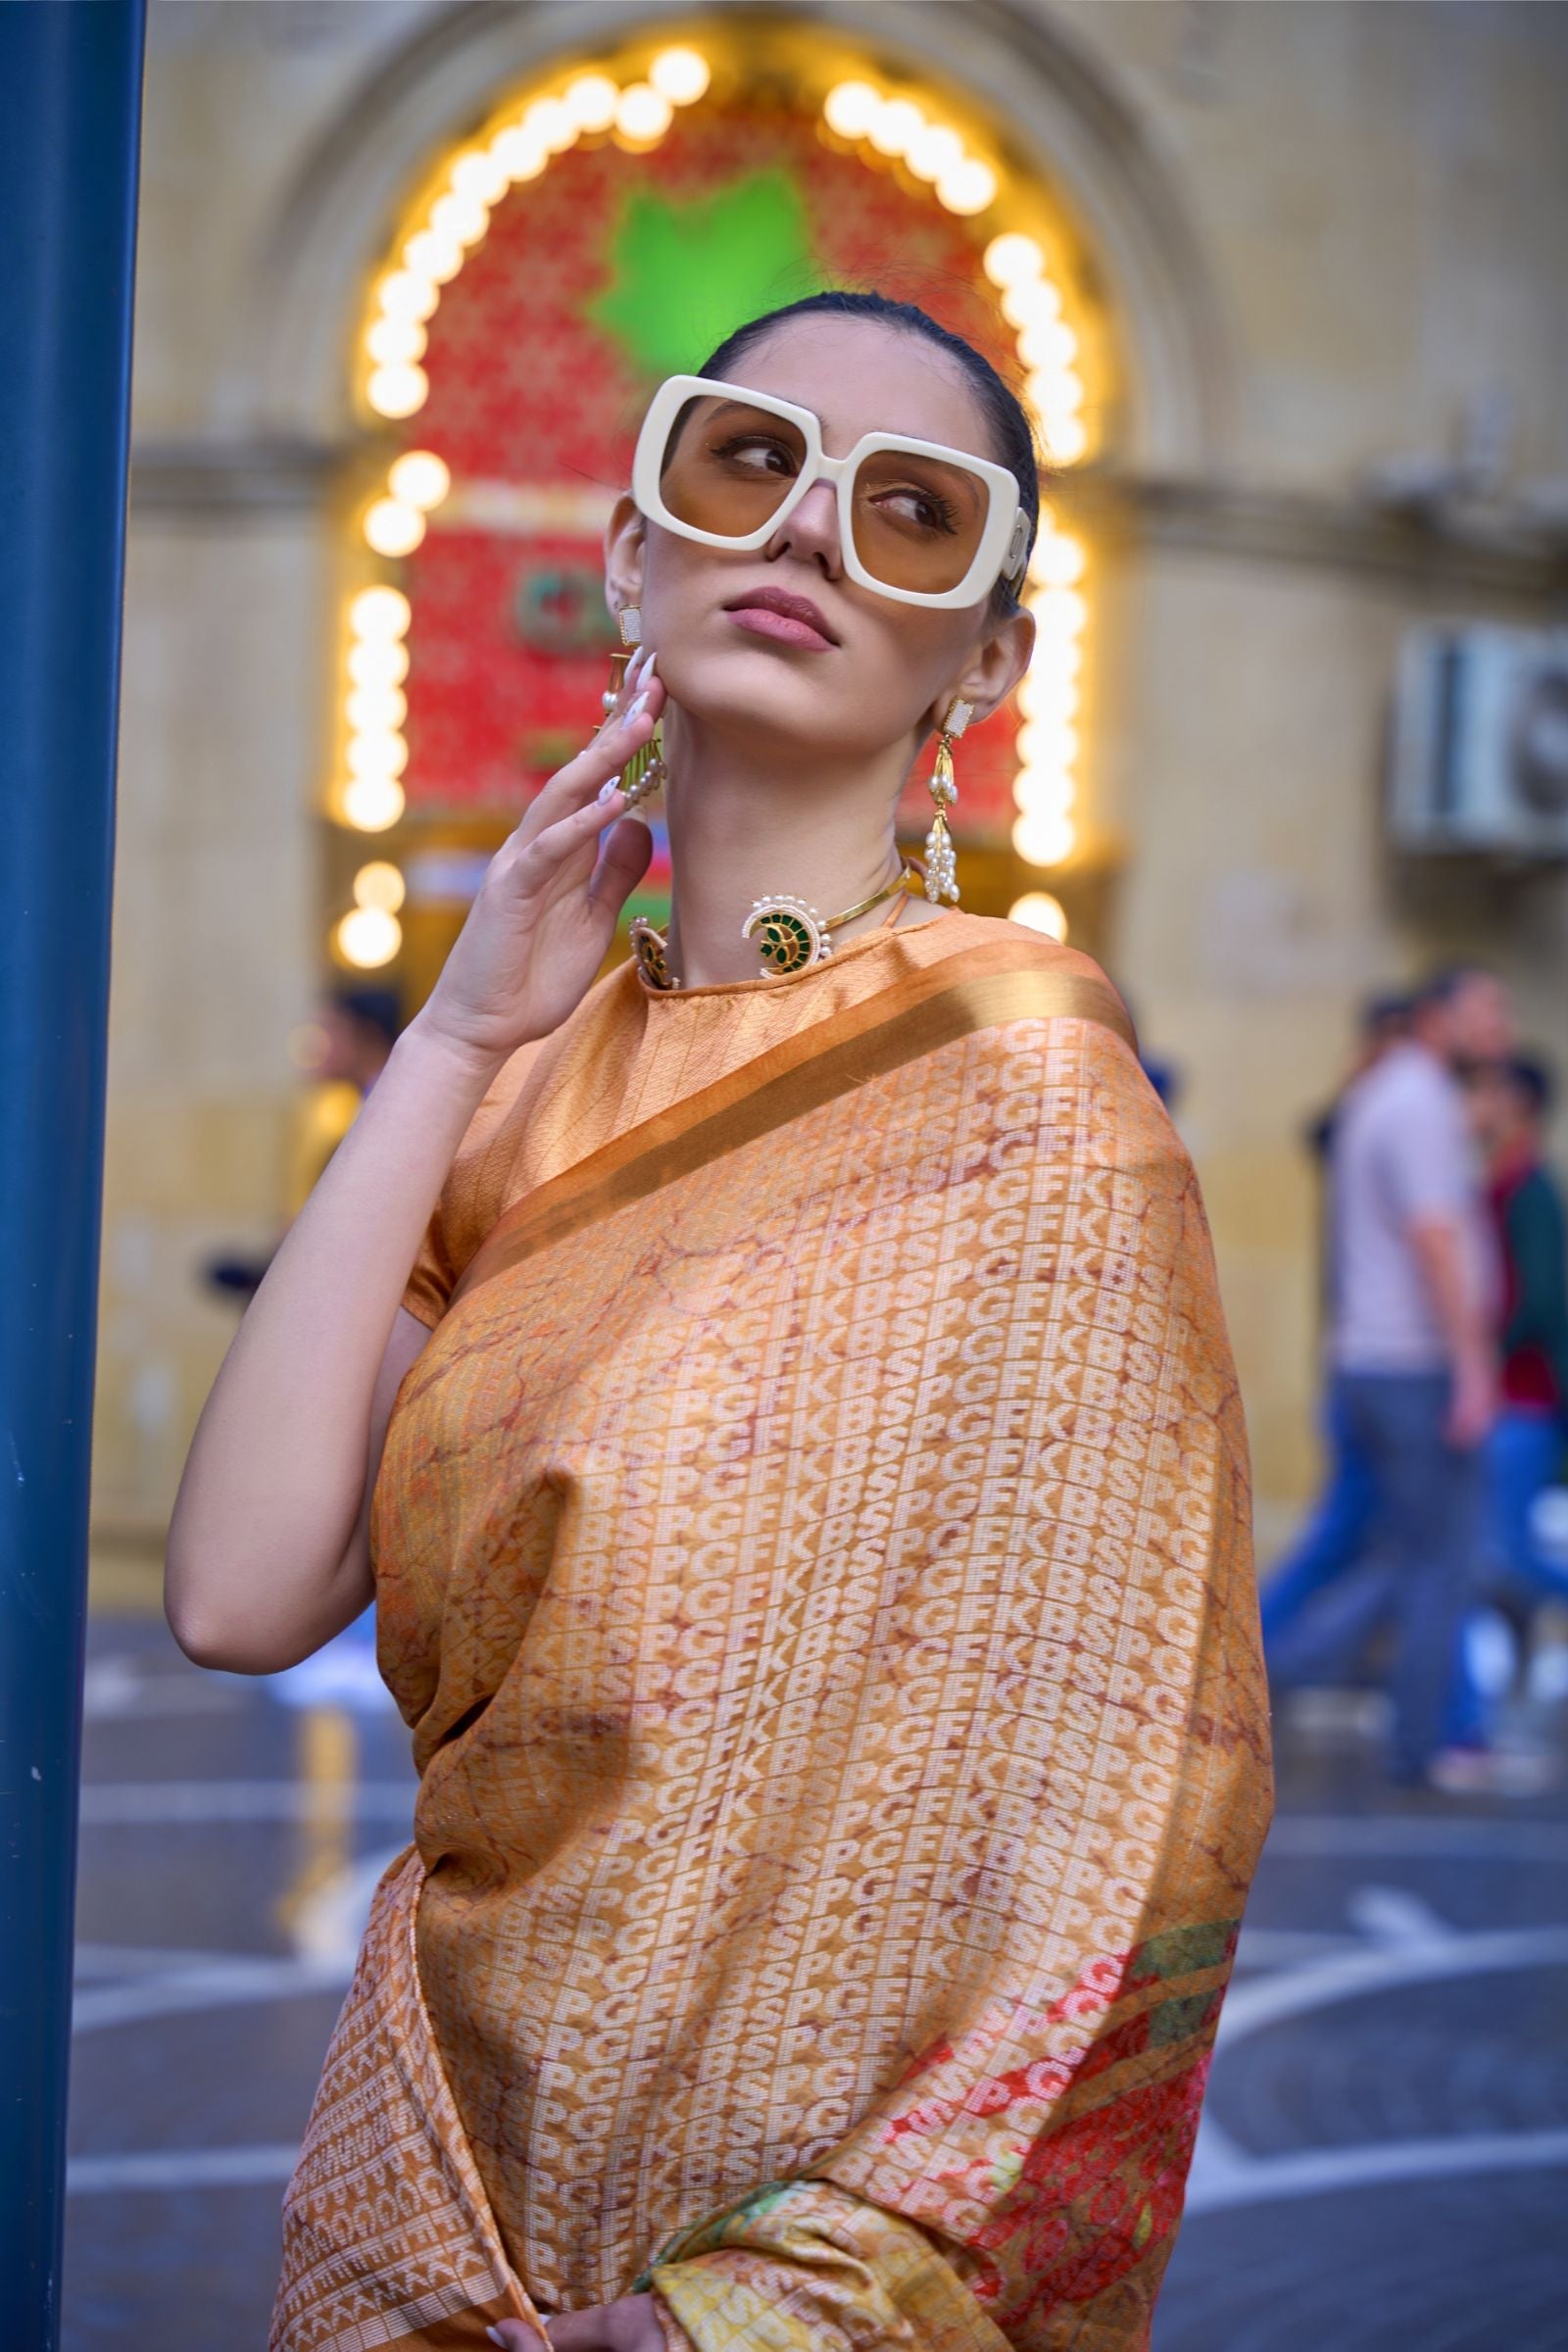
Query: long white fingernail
{"points": [[637, 708], [653, 663], [607, 792], [496, 2338]]}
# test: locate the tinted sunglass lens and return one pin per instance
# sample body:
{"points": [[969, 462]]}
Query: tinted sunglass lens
{"points": [[918, 521], [728, 467]]}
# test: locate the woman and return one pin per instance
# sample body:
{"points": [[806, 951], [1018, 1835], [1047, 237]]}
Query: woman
{"points": [[810, 1540]]}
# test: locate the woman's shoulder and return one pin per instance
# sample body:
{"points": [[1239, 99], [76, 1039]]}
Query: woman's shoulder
{"points": [[956, 928], [957, 933]]}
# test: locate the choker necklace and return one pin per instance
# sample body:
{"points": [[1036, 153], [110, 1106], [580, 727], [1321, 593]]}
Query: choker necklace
{"points": [[790, 935]]}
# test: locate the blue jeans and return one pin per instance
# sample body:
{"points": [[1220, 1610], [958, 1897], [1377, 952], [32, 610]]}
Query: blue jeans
{"points": [[1523, 1453], [1522, 1456], [1335, 1537], [1423, 1519]]}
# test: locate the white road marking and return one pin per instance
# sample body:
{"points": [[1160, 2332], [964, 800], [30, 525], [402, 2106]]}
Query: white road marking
{"points": [[121, 1685], [331, 1921], [1391, 1916], [1217, 2181], [1347, 1975], [1278, 1947], [118, 1960], [180, 2168], [145, 1805], [167, 1983], [1412, 1837], [220, 1985]]}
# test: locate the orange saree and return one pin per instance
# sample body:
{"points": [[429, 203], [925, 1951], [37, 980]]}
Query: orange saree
{"points": [[812, 1557]]}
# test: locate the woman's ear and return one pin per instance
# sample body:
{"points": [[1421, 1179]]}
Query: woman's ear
{"points": [[996, 664], [625, 537]]}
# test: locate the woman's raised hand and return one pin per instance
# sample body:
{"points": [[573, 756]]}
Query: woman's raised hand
{"points": [[547, 908]]}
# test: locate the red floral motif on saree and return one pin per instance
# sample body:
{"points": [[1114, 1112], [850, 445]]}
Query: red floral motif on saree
{"points": [[1085, 2202]]}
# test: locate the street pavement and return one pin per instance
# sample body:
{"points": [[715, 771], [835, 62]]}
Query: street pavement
{"points": [[1383, 2162]]}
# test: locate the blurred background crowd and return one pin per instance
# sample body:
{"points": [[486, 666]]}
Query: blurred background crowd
{"points": [[1442, 1530], [1283, 287]]}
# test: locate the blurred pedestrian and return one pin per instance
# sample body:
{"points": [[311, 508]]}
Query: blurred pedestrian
{"points": [[1511, 1100], [341, 1053], [1411, 1353], [1336, 1537]]}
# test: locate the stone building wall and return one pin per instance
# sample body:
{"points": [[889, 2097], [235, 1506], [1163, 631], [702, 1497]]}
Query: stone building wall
{"points": [[1331, 238]]}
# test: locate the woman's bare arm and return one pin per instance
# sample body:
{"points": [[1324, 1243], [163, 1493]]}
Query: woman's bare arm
{"points": [[263, 1566], [268, 1555]]}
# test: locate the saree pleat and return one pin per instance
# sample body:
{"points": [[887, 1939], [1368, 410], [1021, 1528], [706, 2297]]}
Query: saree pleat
{"points": [[812, 1554]]}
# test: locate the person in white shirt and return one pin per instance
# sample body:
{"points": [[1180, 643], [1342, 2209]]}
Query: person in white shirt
{"points": [[1410, 1349]]}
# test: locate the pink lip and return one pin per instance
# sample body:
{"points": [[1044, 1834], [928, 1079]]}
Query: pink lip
{"points": [[787, 620]]}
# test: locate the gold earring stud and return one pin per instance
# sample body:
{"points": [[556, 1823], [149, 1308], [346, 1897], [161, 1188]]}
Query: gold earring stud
{"points": [[630, 620]]}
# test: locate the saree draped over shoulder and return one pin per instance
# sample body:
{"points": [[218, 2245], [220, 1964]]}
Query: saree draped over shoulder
{"points": [[812, 1556]]}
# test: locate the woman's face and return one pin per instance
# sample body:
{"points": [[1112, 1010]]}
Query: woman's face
{"points": [[867, 672]]}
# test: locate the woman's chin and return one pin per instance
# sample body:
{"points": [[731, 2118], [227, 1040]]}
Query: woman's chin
{"points": [[764, 697]]}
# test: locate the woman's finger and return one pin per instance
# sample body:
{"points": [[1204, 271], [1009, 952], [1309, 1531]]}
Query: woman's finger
{"points": [[594, 768], [515, 2335], [628, 853], [603, 756], [569, 836]]}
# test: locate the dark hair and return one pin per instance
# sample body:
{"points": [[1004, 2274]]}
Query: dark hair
{"points": [[1386, 1015], [1531, 1078], [1444, 985], [1003, 410]]}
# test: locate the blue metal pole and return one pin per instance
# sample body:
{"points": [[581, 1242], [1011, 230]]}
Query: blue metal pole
{"points": [[70, 118]]}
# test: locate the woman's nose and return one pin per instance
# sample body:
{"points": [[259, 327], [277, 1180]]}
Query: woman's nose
{"points": [[812, 531]]}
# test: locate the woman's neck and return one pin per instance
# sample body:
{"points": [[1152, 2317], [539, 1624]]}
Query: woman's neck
{"points": [[745, 827]]}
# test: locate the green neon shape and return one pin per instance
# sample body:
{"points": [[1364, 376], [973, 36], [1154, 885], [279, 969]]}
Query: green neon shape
{"points": [[684, 275]]}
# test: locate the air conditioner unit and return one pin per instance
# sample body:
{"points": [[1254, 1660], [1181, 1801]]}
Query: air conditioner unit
{"points": [[1480, 743]]}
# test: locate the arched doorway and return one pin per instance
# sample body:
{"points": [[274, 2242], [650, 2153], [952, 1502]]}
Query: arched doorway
{"points": [[601, 227]]}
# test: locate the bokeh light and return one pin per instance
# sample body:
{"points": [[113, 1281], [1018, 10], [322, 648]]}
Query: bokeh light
{"points": [[378, 662], [969, 187], [681, 74], [381, 611], [419, 478], [851, 108], [371, 804], [381, 885], [397, 391], [1012, 257], [1044, 837], [643, 115], [369, 937], [393, 528], [1038, 911], [590, 100]]}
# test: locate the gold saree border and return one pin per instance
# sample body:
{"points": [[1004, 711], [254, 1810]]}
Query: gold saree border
{"points": [[975, 989]]}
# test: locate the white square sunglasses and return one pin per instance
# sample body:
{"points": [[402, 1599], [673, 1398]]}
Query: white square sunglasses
{"points": [[918, 522]]}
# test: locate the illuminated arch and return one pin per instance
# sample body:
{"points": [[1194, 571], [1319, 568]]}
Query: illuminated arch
{"points": [[628, 90], [1068, 116]]}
